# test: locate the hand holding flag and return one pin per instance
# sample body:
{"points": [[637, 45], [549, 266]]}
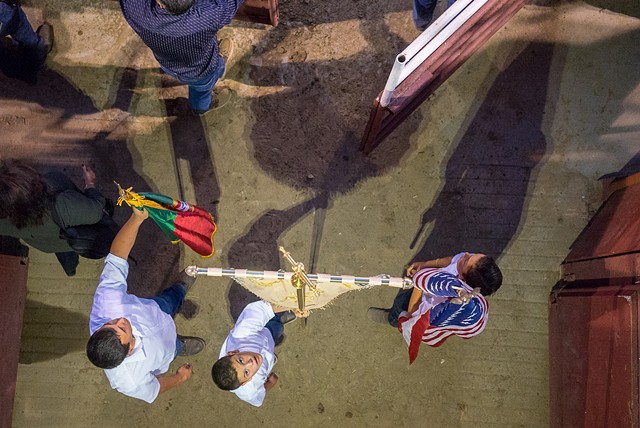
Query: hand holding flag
{"points": [[179, 220]]}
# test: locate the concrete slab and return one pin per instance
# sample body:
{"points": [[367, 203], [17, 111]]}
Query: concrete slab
{"points": [[504, 159]]}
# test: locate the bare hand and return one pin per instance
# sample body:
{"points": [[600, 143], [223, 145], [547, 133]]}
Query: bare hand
{"points": [[464, 296], [271, 381], [301, 314], [413, 268], [140, 214], [184, 371], [89, 176]]}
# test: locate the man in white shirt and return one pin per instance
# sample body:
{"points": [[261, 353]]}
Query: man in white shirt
{"points": [[247, 355], [135, 339]]}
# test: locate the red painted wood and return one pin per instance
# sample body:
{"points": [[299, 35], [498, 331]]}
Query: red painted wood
{"points": [[615, 229], [593, 356], [13, 291], [259, 11], [436, 69]]}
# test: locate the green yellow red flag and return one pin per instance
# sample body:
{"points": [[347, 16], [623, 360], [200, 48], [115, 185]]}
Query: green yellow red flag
{"points": [[179, 220]]}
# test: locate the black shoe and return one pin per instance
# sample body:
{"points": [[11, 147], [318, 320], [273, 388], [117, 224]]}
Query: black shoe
{"points": [[378, 315], [190, 345], [186, 280], [46, 32], [286, 317]]}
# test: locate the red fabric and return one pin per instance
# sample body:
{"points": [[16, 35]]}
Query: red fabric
{"points": [[196, 229]]}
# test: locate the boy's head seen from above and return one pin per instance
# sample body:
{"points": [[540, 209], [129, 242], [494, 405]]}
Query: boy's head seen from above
{"points": [[235, 369]]}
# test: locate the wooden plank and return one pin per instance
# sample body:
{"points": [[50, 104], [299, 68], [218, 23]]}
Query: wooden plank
{"points": [[593, 352], [13, 291], [614, 230], [259, 11], [436, 69]]}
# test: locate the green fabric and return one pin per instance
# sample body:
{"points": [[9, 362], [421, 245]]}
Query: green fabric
{"points": [[164, 219]]}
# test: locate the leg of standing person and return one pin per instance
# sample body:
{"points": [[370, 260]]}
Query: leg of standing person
{"points": [[34, 45], [400, 303], [170, 301], [391, 315], [276, 327], [69, 261], [200, 92], [423, 13]]}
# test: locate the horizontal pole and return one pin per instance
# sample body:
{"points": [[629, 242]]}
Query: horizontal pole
{"points": [[371, 281]]}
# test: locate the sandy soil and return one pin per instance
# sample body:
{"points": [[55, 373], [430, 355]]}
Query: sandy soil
{"points": [[502, 159]]}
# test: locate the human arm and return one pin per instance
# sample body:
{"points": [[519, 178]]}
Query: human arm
{"points": [[252, 319], [126, 237], [437, 263], [182, 374], [271, 381], [89, 177], [414, 301]]}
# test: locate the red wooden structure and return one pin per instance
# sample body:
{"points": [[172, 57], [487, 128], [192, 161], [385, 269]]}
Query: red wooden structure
{"points": [[259, 11], [593, 320], [13, 292], [437, 68]]}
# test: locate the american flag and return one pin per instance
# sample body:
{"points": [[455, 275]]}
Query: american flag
{"points": [[444, 318]]}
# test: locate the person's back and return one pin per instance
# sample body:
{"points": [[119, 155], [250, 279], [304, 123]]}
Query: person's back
{"points": [[53, 190], [184, 44]]}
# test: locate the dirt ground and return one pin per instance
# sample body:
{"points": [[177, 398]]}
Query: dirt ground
{"points": [[503, 159]]}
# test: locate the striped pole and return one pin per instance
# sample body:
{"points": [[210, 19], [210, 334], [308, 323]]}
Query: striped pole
{"points": [[371, 281]]}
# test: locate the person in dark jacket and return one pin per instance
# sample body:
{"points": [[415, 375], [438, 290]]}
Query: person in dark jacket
{"points": [[27, 199]]}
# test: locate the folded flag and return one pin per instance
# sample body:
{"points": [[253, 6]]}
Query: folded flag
{"points": [[441, 315], [179, 220]]}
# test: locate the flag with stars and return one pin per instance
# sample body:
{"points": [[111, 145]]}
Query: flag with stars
{"points": [[438, 317]]}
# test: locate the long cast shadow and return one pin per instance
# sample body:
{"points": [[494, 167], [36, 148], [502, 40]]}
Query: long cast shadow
{"points": [[314, 146], [480, 206], [54, 126]]}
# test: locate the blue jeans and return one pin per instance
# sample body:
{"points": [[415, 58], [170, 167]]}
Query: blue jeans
{"points": [[276, 328], [170, 301], [200, 89], [400, 303], [423, 12], [29, 44]]}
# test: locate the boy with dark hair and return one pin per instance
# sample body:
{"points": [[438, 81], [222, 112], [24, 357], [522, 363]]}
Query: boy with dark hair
{"points": [[134, 339], [247, 355], [443, 302]]}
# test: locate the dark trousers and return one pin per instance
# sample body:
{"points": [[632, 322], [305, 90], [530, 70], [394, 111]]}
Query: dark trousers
{"points": [[170, 301], [22, 56], [400, 303], [276, 328]]}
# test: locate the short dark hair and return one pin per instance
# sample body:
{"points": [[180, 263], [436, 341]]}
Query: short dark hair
{"points": [[224, 374], [23, 194], [177, 7], [105, 350], [486, 275]]}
